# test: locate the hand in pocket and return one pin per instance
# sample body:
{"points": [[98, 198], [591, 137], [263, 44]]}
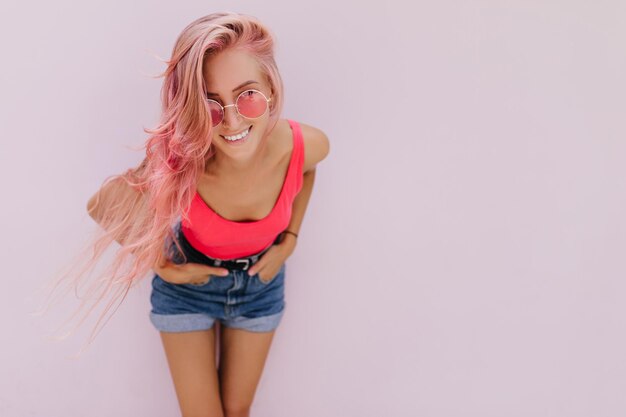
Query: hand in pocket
{"points": [[188, 273]]}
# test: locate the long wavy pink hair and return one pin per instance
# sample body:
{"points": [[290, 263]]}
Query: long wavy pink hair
{"points": [[177, 151]]}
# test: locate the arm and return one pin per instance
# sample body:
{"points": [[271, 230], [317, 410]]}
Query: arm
{"points": [[300, 204], [107, 196], [111, 192], [317, 147], [116, 202]]}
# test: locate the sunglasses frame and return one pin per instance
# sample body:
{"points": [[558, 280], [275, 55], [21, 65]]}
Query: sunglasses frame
{"points": [[267, 102]]}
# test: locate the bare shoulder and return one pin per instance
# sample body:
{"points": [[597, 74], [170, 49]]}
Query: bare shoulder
{"points": [[316, 146]]}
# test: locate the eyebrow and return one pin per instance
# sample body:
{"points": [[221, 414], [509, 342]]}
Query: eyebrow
{"points": [[236, 88]]}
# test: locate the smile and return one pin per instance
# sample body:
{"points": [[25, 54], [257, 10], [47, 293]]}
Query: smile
{"points": [[239, 136]]}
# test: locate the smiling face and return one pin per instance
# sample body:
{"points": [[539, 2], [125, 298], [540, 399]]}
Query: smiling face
{"points": [[226, 76]]}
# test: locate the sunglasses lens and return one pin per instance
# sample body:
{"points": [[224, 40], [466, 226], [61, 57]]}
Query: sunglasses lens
{"points": [[252, 104], [216, 113]]}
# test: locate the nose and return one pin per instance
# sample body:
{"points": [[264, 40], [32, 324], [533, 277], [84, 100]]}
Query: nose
{"points": [[231, 116]]}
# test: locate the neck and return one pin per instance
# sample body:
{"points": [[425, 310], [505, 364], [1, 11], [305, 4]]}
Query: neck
{"points": [[223, 165]]}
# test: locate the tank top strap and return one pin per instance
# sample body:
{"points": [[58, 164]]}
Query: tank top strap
{"points": [[298, 149]]}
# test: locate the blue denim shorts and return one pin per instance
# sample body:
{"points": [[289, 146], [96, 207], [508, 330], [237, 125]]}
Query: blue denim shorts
{"points": [[237, 300]]}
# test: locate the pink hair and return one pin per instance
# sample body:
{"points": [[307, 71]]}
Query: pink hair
{"points": [[177, 150]]}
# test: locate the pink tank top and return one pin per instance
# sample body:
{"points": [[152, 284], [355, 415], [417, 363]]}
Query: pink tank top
{"points": [[221, 238]]}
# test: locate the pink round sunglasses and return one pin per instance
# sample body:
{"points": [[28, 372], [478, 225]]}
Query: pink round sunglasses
{"points": [[250, 104]]}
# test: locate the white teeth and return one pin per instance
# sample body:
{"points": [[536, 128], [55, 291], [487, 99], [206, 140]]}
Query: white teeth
{"points": [[239, 136]]}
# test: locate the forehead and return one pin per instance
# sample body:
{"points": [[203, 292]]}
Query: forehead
{"points": [[228, 69]]}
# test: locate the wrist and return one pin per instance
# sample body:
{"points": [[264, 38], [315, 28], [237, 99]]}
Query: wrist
{"points": [[289, 236], [287, 232], [288, 241]]}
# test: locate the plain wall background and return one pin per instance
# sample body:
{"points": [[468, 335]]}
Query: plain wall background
{"points": [[463, 250]]}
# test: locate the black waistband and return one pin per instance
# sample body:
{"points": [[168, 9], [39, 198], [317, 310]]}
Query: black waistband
{"points": [[195, 256]]}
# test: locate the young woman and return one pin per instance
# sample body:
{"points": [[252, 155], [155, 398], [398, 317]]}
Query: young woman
{"points": [[215, 210]]}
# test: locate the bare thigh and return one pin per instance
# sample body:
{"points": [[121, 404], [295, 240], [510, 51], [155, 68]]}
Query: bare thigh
{"points": [[242, 359], [191, 360]]}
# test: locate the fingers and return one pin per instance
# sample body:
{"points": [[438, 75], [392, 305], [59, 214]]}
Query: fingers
{"points": [[254, 269], [205, 269], [222, 272], [265, 276], [189, 272]]}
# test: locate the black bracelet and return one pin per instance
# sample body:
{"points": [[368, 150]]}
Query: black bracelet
{"points": [[287, 231]]}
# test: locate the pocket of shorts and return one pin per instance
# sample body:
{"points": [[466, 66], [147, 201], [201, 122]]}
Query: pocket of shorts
{"points": [[202, 283], [280, 271]]}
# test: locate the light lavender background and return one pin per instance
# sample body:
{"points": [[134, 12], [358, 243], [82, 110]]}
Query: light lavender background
{"points": [[463, 251]]}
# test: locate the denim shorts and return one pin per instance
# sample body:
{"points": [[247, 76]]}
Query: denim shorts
{"points": [[237, 300]]}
